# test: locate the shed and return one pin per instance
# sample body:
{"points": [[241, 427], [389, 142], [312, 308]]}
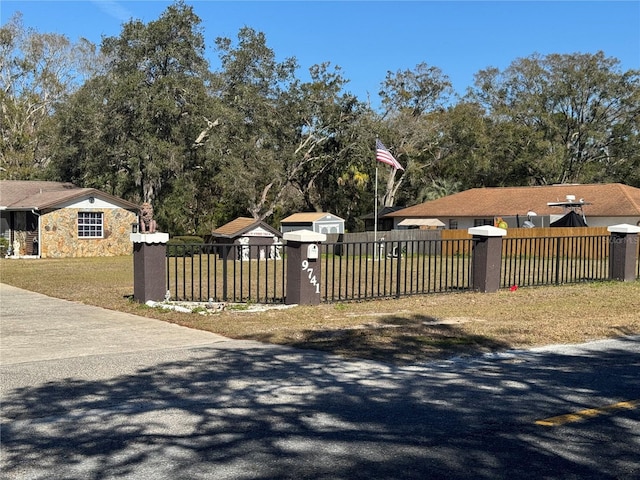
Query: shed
{"points": [[253, 239], [319, 222]]}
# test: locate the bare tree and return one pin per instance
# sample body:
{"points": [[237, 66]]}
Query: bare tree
{"points": [[38, 71]]}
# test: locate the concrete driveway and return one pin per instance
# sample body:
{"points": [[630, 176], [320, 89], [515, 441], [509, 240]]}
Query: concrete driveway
{"points": [[93, 394], [38, 328]]}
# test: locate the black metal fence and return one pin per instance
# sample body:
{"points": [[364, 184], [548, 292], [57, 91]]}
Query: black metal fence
{"points": [[217, 272], [538, 261], [353, 271], [367, 270]]}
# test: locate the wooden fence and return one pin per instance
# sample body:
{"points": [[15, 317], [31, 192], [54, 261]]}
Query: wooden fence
{"points": [[593, 249]]}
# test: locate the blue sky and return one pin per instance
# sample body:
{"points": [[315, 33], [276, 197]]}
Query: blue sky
{"points": [[368, 38]]}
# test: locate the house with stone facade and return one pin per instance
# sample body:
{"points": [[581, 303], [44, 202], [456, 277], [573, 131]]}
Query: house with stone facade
{"points": [[55, 220]]}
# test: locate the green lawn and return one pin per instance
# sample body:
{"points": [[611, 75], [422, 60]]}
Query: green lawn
{"points": [[412, 328]]}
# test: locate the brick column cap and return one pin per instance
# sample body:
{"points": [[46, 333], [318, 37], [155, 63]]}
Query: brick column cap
{"points": [[304, 236], [487, 231], [157, 237], [623, 228]]}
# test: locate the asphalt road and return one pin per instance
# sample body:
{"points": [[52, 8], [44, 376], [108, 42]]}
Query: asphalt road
{"points": [[92, 394]]}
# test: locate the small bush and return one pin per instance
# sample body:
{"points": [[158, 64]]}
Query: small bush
{"points": [[189, 239], [4, 246], [184, 246]]}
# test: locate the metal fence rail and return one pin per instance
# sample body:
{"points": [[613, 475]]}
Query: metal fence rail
{"points": [[365, 270], [368, 270], [199, 273], [535, 261]]}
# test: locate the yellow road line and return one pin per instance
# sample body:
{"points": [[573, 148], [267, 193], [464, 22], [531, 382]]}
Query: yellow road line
{"points": [[588, 413]]}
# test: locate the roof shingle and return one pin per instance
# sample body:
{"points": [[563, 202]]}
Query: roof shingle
{"points": [[304, 217], [38, 195], [605, 200], [242, 225], [234, 226]]}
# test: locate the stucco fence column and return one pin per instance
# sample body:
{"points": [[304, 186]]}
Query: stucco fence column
{"points": [[623, 252], [486, 258], [149, 266], [303, 267]]}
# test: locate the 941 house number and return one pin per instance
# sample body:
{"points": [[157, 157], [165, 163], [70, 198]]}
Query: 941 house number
{"points": [[312, 278]]}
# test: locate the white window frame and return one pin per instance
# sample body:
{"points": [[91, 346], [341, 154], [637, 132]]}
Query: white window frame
{"points": [[90, 225]]}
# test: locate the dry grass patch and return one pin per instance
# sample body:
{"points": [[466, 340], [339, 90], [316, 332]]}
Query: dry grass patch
{"points": [[406, 330]]}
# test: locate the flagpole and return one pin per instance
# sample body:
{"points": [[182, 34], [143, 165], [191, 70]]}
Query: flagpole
{"points": [[383, 155], [375, 217]]}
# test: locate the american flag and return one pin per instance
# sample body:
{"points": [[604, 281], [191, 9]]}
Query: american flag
{"points": [[383, 155]]}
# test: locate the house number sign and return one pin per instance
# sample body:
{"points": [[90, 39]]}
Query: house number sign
{"points": [[312, 278]]}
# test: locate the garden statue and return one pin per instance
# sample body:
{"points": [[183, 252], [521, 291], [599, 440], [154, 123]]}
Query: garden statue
{"points": [[147, 223], [243, 250], [274, 251]]}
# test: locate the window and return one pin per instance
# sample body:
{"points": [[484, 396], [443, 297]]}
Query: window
{"points": [[480, 222], [90, 224], [453, 224]]}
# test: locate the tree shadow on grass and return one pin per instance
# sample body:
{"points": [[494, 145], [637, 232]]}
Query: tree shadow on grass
{"points": [[395, 339]]}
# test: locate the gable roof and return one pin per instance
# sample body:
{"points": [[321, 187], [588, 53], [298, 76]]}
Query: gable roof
{"points": [[601, 200], [242, 225], [308, 217], [39, 195]]}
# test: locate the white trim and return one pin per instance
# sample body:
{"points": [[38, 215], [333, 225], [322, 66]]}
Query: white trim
{"points": [[304, 236], [623, 228], [487, 231], [158, 237]]}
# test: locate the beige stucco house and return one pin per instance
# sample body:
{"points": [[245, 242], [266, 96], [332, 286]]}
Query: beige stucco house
{"points": [[601, 205], [55, 220]]}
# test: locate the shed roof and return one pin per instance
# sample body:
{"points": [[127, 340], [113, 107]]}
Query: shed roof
{"points": [[241, 225], [306, 217], [39, 195], [601, 200]]}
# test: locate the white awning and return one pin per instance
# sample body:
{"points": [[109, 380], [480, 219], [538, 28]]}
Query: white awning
{"points": [[421, 222]]}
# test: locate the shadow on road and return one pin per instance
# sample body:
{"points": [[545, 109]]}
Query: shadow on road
{"points": [[276, 413]]}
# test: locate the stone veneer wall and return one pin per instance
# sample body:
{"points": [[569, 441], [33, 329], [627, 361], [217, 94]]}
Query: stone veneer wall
{"points": [[59, 234]]}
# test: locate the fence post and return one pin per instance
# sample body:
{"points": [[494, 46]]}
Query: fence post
{"points": [[149, 266], [486, 258], [303, 267], [623, 248]]}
